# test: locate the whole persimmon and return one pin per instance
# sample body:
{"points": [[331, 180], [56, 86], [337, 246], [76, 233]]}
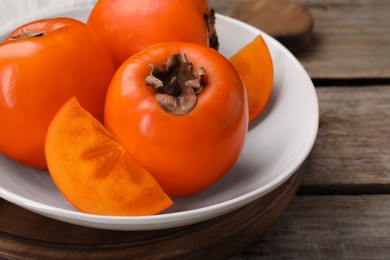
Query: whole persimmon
{"points": [[127, 27], [184, 118], [43, 64]]}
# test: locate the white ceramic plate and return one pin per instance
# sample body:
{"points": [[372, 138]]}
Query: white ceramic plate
{"points": [[277, 144]]}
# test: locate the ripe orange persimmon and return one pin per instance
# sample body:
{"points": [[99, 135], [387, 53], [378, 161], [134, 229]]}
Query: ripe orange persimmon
{"points": [[254, 63], [42, 64], [127, 27], [94, 172], [184, 118]]}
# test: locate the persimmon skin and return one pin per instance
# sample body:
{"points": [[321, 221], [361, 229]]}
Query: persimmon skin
{"points": [[94, 172], [254, 63], [187, 153], [37, 75], [127, 27]]}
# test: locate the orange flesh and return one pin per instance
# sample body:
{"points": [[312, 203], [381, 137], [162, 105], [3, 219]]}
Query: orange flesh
{"points": [[93, 171], [254, 64]]}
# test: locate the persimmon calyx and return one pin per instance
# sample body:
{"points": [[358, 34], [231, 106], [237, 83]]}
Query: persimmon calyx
{"points": [[176, 86], [28, 34]]}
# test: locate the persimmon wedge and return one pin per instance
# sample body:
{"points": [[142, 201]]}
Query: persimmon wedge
{"points": [[254, 64], [93, 171]]}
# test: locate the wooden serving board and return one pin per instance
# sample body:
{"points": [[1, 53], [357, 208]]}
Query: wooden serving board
{"points": [[26, 235]]}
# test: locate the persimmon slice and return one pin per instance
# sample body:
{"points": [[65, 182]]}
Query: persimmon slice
{"points": [[254, 64], [94, 172]]}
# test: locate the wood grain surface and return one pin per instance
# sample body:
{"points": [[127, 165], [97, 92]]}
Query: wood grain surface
{"points": [[342, 210], [351, 38], [327, 227], [351, 161], [352, 151]]}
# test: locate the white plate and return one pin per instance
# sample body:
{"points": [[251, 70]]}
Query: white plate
{"points": [[278, 142]]}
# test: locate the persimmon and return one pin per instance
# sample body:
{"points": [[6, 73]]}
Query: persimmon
{"points": [[184, 118], [42, 64], [127, 27], [94, 172], [254, 63]]}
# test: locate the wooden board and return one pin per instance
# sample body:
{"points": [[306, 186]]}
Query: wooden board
{"points": [[26, 234], [352, 151], [327, 227], [351, 38], [350, 159]]}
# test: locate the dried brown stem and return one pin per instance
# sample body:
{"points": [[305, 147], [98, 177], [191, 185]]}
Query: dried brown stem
{"points": [[176, 85]]}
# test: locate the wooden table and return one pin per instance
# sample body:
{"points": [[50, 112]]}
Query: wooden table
{"points": [[342, 209]]}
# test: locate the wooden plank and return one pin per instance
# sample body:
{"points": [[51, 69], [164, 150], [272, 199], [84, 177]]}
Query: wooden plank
{"points": [[352, 150], [351, 38], [327, 227]]}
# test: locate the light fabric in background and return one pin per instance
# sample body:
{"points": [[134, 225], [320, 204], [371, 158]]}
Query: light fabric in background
{"points": [[14, 12]]}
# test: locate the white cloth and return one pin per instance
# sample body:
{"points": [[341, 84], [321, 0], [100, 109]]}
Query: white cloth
{"points": [[14, 13]]}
